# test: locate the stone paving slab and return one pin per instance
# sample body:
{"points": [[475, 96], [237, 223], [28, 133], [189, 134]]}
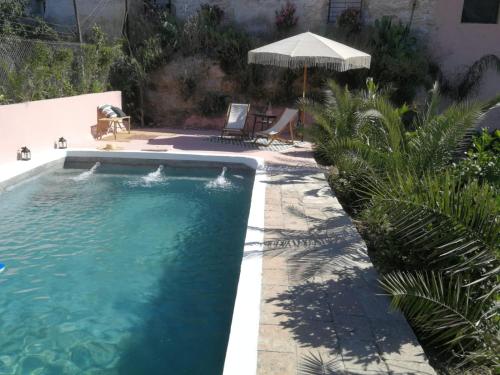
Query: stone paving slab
{"points": [[321, 304]]}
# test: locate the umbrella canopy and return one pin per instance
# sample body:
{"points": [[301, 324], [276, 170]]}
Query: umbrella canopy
{"points": [[310, 50]]}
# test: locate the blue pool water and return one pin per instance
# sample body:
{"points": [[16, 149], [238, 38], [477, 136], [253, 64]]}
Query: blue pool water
{"points": [[126, 270]]}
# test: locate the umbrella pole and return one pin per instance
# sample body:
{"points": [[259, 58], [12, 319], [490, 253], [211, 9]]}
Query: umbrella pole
{"points": [[304, 94], [305, 82]]}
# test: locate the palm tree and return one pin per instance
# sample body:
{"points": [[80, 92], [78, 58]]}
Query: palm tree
{"points": [[439, 221], [424, 216], [368, 128]]}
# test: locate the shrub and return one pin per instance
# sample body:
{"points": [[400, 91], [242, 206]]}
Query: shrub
{"points": [[285, 18], [95, 63], [187, 86], [15, 20], [213, 103], [201, 32], [350, 20], [348, 184], [398, 59], [151, 54], [33, 79], [39, 29], [10, 13], [232, 48], [483, 160], [189, 36], [51, 71], [125, 76], [46, 73], [169, 33], [211, 15]]}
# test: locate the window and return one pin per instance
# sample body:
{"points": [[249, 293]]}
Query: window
{"points": [[336, 7], [480, 11]]}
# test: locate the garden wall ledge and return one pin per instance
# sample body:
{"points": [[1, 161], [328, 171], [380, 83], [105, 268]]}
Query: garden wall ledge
{"points": [[38, 124]]}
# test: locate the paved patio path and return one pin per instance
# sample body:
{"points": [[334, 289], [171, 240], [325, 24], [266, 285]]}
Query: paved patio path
{"points": [[320, 296]]}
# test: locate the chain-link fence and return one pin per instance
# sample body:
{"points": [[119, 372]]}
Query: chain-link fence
{"points": [[16, 52], [38, 69]]}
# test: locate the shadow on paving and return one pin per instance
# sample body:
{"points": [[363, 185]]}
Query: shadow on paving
{"points": [[333, 305], [291, 174]]}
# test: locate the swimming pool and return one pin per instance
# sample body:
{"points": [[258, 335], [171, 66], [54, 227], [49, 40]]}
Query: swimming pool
{"points": [[129, 270]]}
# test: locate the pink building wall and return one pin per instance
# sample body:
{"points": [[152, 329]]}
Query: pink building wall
{"points": [[458, 45], [38, 124]]}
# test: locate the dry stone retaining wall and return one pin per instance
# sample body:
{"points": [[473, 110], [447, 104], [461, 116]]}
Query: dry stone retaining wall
{"points": [[259, 15], [424, 12]]}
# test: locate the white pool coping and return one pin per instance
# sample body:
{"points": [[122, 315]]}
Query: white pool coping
{"points": [[241, 354]]}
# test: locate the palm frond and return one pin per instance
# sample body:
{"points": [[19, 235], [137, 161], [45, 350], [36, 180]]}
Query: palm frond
{"points": [[453, 225], [437, 138], [443, 310], [472, 77], [376, 160], [432, 103], [315, 364], [388, 118]]}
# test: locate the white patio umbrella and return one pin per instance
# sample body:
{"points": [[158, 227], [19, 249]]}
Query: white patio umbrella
{"points": [[309, 50]]}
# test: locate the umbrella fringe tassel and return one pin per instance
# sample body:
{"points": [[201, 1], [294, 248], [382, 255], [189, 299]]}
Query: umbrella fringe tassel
{"points": [[285, 61]]}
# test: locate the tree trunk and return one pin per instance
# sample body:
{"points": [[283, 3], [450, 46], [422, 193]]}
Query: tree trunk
{"points": [[141, 103]]}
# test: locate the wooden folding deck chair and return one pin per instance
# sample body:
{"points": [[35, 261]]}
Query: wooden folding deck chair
{"points": [[236, 120], [288, 118], [111, 119]]}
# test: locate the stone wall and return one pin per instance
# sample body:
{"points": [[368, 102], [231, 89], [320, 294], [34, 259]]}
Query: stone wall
{"points": [[109, 15], [424, 12], [258, 16], [165, 103]]}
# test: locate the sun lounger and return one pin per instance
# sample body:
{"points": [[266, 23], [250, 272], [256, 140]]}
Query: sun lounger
{"points": [[236, 119], [288, 118]]}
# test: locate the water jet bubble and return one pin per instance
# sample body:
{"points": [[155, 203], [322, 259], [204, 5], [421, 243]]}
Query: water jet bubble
{"points": [[153, 177], [86, 175], [220, 182]]}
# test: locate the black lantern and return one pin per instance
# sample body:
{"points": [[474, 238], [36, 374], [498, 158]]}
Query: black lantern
{"points": [[62, 143], [25, 153]]}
